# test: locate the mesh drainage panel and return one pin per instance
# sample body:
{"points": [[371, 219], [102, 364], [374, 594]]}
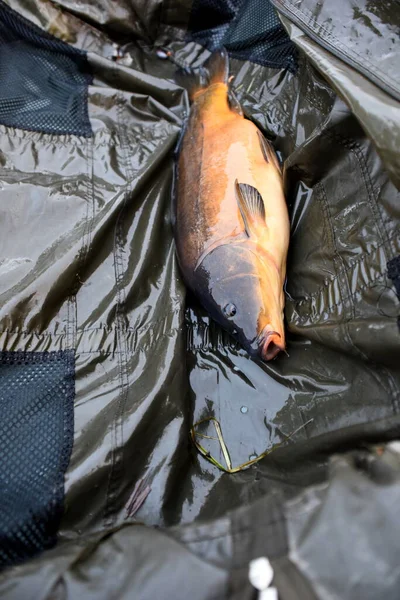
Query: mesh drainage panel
{"points": [[36, 433], [249, 30], [44, 81]]}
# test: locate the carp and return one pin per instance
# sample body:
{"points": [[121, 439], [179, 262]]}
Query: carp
{"points": [[231, 224]]}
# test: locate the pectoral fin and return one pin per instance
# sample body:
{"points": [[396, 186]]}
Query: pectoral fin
{"points": [[251, 206]]}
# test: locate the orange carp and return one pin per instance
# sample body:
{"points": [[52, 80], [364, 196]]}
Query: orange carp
{"points": [[231, 218]]}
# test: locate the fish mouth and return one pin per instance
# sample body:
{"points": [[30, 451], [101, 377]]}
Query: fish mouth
{"points": [[270, 344]]}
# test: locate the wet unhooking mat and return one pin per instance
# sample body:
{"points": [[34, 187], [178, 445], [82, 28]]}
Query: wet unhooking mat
{"points": [[107, 364]]}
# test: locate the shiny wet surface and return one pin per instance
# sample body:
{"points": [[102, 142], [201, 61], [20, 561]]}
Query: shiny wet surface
{"points": [[97, 273]]}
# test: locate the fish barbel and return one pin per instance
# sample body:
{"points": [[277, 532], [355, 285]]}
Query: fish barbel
{"points": [[231, 218]]}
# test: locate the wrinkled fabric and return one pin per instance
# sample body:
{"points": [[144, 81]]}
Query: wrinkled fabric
{"points": [[363, 34], [364, 490], [126, 563], [360, 84], [87, 264]]}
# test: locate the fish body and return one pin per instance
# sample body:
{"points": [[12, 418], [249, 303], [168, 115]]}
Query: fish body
{"points": [[231, 219]]}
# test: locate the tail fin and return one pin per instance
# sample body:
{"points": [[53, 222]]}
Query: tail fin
{"points": [[217, 67], [214, 70]]}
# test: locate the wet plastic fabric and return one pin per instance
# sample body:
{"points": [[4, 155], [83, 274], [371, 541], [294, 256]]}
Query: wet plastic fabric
{"points": [[364, 490], [88, 264], [320, 557]]}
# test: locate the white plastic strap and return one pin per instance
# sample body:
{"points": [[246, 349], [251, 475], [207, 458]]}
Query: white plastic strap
{"points": [[261, 574]]}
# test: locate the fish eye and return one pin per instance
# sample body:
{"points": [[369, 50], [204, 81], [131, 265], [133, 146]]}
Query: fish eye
{"points": [[230, 310]]}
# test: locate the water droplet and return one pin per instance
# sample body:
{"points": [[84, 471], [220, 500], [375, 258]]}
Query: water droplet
{"points": [[252, 456], [244, 410]]}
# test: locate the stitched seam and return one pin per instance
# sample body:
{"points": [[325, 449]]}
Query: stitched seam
{"points": [[356, 150], [328, 227], [101, 351], [71, 300], [87, 237], [149, 325], [353, 294], [309, 17], [233, 533], [322, 289], [337, 256], [341, 140], [108, 517], [75, 141], [115, 470], [82, 253]]}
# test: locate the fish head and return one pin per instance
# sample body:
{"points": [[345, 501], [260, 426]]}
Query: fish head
{"points": [[243, 291]]}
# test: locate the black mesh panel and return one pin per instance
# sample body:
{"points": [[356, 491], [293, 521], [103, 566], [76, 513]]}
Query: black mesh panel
{"points": [[36, 432], [249, 30], [43, 80], [394, 273]]}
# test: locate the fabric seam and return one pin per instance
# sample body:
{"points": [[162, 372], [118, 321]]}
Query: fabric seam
{"points": [[306, 17], [117, 453]]}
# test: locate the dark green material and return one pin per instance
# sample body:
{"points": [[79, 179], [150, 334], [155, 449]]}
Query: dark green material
{"points": [[87, 262]]}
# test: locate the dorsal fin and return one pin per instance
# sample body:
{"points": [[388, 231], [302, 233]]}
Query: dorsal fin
{"points": [[234, 103], [268, 151], [251, 206]]}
